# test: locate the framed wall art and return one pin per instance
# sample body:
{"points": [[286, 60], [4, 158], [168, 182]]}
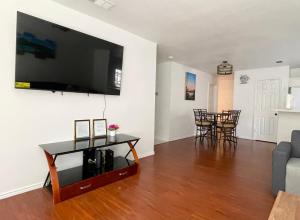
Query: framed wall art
{"points": [[190, 86]]}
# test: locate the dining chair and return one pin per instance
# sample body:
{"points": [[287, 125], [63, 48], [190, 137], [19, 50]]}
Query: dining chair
{"points": [[227, 124], [203, 124]]}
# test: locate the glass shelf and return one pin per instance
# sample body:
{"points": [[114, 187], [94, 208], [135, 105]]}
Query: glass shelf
{"points": [[66, 147]]}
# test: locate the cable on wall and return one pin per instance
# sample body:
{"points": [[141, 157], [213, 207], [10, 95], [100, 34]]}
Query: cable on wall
{"points": [[103, 112]]}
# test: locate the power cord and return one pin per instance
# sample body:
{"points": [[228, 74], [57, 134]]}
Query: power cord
{"points": [[103, 112]]}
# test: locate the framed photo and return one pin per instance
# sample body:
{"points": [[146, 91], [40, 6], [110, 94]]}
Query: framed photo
{"points": [[190, 86], [82, 129], [99, 128]]}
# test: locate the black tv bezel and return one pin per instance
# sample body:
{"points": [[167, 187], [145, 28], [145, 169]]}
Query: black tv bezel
{"points": [[63, 91]]}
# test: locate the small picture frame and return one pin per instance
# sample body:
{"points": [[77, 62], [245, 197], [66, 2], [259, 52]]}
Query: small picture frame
{"points": [[99, 128], [82, 129]]}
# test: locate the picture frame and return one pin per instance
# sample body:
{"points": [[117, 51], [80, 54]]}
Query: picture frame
{"points": [[82, 129], [190, 86], [99, 128]]}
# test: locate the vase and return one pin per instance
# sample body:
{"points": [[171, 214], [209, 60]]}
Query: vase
{"points": [[112, 133], [112, 139]]}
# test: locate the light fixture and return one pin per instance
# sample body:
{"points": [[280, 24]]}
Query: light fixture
{"points": [[225, 68], [170, 57], [105, 4], [279, 61]]}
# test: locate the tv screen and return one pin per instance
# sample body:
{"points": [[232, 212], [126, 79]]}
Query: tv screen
{"points": [[57, 58]]}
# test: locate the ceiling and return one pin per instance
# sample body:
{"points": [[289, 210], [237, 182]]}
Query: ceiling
{"points": [[203, 33]]}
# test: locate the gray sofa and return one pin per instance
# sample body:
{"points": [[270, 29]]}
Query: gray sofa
{"points": [[286, 166]]}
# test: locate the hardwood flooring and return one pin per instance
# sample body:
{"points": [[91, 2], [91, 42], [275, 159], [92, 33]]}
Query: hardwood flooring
{"points": [[182, 181]]}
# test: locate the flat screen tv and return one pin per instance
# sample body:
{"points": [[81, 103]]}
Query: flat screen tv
{"points": [[57, 58]]}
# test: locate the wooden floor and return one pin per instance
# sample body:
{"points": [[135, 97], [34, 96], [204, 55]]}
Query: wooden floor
{"points": [[182, 181]]}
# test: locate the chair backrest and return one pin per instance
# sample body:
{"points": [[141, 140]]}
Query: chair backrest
{"points": [[234, 116], [203, 110], [197, 114], [295, 142], [224, 117], [200, 115]]}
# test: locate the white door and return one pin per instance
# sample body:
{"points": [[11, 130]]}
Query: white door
{"points": [[267, 100]]}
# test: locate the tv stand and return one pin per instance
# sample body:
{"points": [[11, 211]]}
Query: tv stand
{"points": [[65, 184]]}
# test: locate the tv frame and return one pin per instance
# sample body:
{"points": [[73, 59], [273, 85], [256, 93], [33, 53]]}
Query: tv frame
{"points": [[63, 91]]}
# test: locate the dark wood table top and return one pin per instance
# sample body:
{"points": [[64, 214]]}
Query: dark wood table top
{"points": [[73, 146]]}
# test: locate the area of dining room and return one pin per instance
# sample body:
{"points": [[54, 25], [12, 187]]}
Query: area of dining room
{"points": [[179, 90], [218, 123], [217, 127]]}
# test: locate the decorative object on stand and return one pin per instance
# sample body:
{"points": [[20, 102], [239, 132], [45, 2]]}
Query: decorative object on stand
{"points": [[225, 68], [244, 79], [190, 86], [112, 129], [99, 128], [82, 129]]}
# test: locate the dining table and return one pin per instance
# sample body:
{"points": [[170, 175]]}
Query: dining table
{"points": [[214, 118]]}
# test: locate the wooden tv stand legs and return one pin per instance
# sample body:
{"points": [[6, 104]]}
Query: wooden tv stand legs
{"points": [[54, 177], [133, 151], [61, 193]]}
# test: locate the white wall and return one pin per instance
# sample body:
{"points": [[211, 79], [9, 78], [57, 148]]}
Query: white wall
{"points": [[29, 118], [294, 77], [244, 94], [295, 72], [180, 122], [162, 102], [288, 120]]}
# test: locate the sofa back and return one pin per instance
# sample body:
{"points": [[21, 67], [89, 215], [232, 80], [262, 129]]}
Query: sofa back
{"points": [[295, 143]]}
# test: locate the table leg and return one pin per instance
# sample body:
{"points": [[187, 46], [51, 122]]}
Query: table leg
{"points": [[133, 151], [48, 174], [54, 177], [215, 125]]}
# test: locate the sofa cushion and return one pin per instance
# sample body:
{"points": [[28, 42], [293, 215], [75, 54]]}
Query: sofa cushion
{"points": [[292, 180], [295, 143]]}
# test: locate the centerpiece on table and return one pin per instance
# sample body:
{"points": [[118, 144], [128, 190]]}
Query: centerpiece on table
{"points": [[113, 129]]}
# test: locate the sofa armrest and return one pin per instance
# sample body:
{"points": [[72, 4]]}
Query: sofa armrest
{"points": [[280, 156]]}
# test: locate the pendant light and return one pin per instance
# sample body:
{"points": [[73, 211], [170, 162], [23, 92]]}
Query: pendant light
{"points": [[225, 68]]}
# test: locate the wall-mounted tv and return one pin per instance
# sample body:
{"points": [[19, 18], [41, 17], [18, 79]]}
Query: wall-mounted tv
{"points": [[57, 58]]}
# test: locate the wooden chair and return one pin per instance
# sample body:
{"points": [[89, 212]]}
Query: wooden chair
{"points": [[203, 124]]}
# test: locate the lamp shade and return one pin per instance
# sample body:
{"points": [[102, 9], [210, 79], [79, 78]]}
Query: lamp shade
{"points": [[225, 68]]}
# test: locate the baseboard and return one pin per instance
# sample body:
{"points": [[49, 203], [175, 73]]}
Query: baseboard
{"points": [[21, 190], [147, 154], [180, 138], [245, 137], [160, 141]]}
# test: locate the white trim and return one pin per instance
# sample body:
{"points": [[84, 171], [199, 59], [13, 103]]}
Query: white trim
{"points": [[21, 190], [245, 137], [148, 154], [160, 141]]}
